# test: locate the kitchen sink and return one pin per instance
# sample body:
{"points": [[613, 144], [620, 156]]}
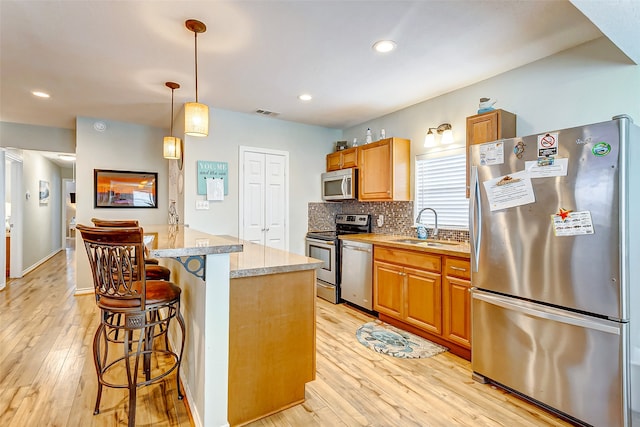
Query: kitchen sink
{"points": [[432, 243]]}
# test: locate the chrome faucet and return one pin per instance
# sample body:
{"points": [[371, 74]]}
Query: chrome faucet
{"points": [[435, 214]]}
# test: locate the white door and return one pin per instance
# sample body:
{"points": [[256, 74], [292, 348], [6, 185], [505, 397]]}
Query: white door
{"points": [[253, 199], [275, 201], [264, 201]]}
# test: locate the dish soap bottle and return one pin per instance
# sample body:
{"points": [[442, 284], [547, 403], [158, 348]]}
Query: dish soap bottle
{"points": [[422, 232], [368, 137]]}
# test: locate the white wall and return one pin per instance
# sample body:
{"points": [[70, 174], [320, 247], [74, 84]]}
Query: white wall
{"points": [[41, 237], [121, 146], [307, 146], [587, 84], [41, 138]]}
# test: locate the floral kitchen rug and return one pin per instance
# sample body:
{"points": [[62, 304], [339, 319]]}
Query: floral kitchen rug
{"points": [[386, 339]]}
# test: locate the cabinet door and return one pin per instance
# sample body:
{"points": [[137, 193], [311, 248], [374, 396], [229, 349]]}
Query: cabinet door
{"points": [[457, 311], [482, 128], [334, 161], [388, 283], [486, 127], [350, 158], [375, 162], [423, 300]]}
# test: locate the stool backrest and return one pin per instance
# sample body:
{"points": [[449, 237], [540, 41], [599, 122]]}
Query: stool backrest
{"points": [[115, 222], [118, 273]]}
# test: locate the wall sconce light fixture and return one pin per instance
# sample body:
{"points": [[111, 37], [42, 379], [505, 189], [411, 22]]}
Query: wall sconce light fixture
{"points": [[444, 130], [172, 146], [196, 115]]}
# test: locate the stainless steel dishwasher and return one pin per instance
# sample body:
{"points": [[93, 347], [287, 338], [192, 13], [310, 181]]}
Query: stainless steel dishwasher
{"points": [[357, 265]]}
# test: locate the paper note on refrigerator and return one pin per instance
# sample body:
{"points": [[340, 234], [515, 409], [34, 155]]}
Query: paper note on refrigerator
{"points": [[492, 153], [573, 224], [556, 168], [215, 189], [509, 191]]}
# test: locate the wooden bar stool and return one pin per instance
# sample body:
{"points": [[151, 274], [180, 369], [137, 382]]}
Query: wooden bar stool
{"points": [[116, 256], [154, 271]]}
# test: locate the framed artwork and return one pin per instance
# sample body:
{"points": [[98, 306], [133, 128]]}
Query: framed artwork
{"points": [[125, 189], [43, 192]]}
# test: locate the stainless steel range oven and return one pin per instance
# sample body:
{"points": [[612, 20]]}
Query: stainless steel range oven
{"points": [[324, 245]]}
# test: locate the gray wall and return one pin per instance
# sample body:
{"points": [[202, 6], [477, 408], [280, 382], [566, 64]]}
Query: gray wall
{"points": [[42, 234], [587, 84], [307, 146]]}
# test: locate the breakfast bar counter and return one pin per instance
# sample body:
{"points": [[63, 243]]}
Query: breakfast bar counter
{"points": [[250, 314]]}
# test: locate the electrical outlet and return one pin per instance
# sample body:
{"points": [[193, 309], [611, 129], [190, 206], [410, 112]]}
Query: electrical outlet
{"points": [[202, 204], [380, 220]]}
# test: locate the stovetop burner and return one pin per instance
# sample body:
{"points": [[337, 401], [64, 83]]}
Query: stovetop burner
{"points": [[345, 224]]}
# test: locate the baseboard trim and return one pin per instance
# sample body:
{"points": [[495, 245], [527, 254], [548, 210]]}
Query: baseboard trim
{"points": [[42, 261]]}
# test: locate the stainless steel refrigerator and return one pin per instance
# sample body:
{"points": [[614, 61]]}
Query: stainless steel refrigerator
{"points": [[555, 276]]}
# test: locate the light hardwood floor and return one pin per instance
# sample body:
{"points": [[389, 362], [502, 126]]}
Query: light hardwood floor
{"points": [[47, 375]]}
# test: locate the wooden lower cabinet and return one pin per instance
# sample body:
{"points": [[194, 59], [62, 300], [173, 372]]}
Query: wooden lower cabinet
{"points": [[457, 301], [425, 294], [389, 289], [272, 352]]}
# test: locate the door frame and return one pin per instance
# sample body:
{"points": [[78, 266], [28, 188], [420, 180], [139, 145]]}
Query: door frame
{"points": [[241, 154], [17, 209]]}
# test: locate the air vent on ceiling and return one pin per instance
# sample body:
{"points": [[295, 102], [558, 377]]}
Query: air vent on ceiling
{"points": [[267, 113]]}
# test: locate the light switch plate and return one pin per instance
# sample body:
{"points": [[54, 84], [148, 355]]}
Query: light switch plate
{"points": [[202, 204]]}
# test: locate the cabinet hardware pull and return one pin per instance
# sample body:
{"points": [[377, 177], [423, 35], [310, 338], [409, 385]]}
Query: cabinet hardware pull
{"points": [[458, 268]]}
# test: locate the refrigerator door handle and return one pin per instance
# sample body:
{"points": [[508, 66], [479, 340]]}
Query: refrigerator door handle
{"points": [[475, 227], [548, 313]]}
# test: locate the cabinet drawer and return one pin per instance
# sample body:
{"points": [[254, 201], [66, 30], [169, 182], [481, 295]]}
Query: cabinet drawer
{"points": [[419, 260], [457, 267]]}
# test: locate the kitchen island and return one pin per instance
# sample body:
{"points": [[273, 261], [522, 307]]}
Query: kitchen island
{"points": [[272, 334], [241, 301]]}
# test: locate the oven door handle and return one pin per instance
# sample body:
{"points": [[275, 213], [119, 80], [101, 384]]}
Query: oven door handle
{"points": [[321, 242]]}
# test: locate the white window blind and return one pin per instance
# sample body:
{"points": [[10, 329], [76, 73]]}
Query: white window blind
{"points": [[441, 185]]}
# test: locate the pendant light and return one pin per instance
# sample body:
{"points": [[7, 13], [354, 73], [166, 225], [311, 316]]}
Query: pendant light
{"points": [[172, 146], [196, 115]]}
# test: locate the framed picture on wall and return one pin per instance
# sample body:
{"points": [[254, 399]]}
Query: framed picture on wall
{"points": [[43, 192], [125, 189]]}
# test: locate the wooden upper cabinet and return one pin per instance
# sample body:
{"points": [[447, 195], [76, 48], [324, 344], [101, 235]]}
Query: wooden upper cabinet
{"points": [[487, 127], [384, 170], [342, 159]]}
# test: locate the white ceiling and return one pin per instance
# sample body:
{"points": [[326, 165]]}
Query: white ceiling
{"points": [[110, 59]]}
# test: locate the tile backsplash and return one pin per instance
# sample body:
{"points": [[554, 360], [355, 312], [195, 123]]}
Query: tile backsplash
{"points": [[398, 218]]}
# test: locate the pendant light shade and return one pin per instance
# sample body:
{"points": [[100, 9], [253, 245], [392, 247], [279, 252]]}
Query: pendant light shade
{"points": [[172, 146], [196, 119], [196, 115]]}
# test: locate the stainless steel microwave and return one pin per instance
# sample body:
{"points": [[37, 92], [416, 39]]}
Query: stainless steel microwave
{"points": [[340, 185]]}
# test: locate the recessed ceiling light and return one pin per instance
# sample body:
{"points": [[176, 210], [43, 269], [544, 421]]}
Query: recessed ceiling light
{"points": [[384, 46], [40, 94], [305, 97]]}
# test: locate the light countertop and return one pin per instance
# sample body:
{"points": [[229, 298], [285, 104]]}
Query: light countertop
{"points": [[258, 260], [179, 241], [246, 259], [439, 247]]}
